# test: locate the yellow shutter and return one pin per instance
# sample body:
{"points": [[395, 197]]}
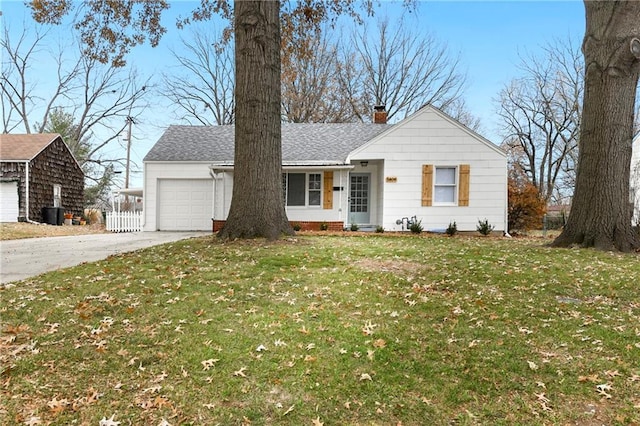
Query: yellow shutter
{"points": [[463, 188], [427, 184], [328, 191]]}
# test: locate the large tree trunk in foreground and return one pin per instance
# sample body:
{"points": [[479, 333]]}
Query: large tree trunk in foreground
{"points": [[257, 206], [601, 213]]}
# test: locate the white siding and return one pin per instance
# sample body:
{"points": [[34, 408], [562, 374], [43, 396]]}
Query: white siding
{"points": [[318, 213], [154, 172], [223, 188], [430, 138]]}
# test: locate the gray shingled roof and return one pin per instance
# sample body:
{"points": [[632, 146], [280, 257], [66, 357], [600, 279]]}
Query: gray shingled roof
{"points": [[321, 143]]}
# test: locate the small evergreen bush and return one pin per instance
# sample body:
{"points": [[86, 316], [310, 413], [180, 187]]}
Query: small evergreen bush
{"points": [[416, 227], [354, 227], [379, 229], [297, 227], [452, 229], [324, 226], [484, 227]]}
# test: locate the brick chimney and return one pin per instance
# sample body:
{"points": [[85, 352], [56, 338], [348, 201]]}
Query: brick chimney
{"points": [[379, 114]]}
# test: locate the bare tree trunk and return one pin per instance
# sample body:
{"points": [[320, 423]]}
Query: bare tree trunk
{"points": [[601, 213], [257, 206]]}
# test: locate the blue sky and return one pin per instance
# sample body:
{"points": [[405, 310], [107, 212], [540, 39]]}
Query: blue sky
{"points": [[490, 37]]}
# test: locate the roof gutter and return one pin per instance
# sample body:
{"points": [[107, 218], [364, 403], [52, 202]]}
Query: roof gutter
{"points": [[26, 190], [26, 178], [223, 168]]}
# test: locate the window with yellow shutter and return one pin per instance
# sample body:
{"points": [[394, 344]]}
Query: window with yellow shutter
{"points": [[445, 185]]}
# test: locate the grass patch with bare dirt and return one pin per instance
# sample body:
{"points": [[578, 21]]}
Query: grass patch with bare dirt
{"points": [[352, 330], [20, 230]]}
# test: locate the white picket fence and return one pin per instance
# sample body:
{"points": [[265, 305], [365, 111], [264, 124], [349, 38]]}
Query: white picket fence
{"points": [[124, 221]]}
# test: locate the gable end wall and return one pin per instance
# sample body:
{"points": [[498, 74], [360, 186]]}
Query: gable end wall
{"points": [[55, 165], [429, 139]]}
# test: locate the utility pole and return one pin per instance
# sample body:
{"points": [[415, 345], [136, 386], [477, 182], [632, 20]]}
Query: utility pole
{"points": [[130, 121]]}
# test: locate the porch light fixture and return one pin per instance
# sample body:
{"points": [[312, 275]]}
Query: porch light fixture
{"points": [[364, 163]]}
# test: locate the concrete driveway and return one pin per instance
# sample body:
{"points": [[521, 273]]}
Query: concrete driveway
{"points": [[29, 257]]}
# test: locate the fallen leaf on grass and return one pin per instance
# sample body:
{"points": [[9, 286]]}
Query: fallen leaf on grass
{"points": [[290, 409], [542, 397], [602, 390], [592, 378], [532, 365], [109, 421], [57, 405], [368, 328], [240, 373], [365, 376], [379, 343], [304, 330], [208, 363], [317, 422]]}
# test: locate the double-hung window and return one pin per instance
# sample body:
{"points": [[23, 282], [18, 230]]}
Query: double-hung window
{"points": [[445, 185], [302, 189]]}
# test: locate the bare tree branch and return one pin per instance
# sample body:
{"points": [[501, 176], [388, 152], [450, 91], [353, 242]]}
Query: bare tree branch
{"points": [[540, 114], [201, 85], [311, 90], [399, 70]]}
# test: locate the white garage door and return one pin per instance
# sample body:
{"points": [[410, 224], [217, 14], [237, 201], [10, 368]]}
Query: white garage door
{"points": [[9, 201], [185, 204]]}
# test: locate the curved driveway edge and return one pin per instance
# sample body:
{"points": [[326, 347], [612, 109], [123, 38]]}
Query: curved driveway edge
{"points": [[29, 257]]}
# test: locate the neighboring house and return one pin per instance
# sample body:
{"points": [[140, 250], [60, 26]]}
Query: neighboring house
{"points": [[635, 180], [428, 166], [37, 171]]}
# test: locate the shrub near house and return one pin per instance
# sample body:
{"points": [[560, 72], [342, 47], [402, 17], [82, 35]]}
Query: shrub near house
{"points": [[526, 207]]}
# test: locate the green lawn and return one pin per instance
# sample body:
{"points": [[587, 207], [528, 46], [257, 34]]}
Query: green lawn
{"points": [[351, 330]]}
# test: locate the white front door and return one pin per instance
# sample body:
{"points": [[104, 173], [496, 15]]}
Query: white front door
{"points": [[9, 202], [360, 198]]}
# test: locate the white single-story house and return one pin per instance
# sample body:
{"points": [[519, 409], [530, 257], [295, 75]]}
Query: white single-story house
{"points": [[427, 166]]}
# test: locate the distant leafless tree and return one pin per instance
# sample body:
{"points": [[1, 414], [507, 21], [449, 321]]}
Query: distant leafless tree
{"points": [[93, 98], [459, 110], [311, 88], [201, 85], [540, 114], [108, 98], [22, 104], [398, 69]]}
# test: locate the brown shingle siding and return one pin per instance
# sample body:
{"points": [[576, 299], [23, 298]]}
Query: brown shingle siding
{"points": [[51, 163]]}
